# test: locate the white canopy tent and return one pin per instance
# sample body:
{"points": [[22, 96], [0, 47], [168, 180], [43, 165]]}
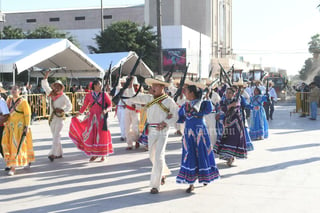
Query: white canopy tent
{"points": [[26, 54], [127, 61]]}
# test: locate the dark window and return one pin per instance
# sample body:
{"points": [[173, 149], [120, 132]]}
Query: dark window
{"points": [[107, 17], [54, 19], [79, 18], [31, 20]]}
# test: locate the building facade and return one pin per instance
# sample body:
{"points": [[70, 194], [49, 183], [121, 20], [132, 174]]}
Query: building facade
{"points": [[83, 24], [212, 18]]}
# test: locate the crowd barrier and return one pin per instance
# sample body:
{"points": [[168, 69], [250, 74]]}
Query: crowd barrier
{"points": [[302, 103], [40, 104]]}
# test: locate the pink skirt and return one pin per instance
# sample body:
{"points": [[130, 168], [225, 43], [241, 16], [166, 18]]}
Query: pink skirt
{"points": [[89, 137]]}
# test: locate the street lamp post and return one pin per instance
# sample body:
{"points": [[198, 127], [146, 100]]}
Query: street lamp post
{"points": [[102, 22], [159, 23]]}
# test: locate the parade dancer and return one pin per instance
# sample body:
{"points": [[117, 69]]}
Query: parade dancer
{"points": [[121, 113], [211, 117], [258, 124], [88, 135], [132, 115], [197, 153], [17, 139], [231, 142], [161, 112], [60, 104]]}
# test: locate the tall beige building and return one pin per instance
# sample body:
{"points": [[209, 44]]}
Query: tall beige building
{"points": [[209, 17]]}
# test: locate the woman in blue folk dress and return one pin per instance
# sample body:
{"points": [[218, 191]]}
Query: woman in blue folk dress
{"points": [[197, 154], [258, 123], [246, 105], [232, 142]]}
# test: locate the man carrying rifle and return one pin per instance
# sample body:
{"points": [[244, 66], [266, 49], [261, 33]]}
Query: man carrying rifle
{"points": [[121, 111], [132, 115], [60, 104], [161, 112]]}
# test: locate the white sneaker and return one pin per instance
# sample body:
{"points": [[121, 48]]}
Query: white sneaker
{"points": [[11, 173]]}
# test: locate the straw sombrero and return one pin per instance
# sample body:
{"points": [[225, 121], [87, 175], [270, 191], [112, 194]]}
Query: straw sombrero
{"points": [[209, 81], [2, 90], [158, 79], [201, 84], [271, 82], [60, 83], [239, 83], [257, 81]]}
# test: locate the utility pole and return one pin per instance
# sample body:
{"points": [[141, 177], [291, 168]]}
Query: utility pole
{"points": [[159, 23], [102, 23]]}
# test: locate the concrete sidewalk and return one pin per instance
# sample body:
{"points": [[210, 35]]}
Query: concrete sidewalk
{"points": [[281, 175]]}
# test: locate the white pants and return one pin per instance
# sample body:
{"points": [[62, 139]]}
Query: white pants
{"points": [[211, 125], [179, 127], [131, 126], [122, 120], [56, 128], [157, 142]]}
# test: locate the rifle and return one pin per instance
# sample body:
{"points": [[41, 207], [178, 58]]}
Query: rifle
{"points": [[183, 78], [225, 75], [169, 73], [104, 83], [117, 98], [115, 84], [108, 81]]}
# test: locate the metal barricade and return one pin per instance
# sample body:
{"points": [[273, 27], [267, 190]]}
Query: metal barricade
{"points": [[40, 106], [302, 103]]}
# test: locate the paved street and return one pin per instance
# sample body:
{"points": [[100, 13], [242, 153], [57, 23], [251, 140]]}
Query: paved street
{"points": [[281, 175]]}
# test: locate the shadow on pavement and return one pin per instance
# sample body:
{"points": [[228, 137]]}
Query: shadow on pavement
{"points": [[271, 168], [111, 201], [302, 146]]}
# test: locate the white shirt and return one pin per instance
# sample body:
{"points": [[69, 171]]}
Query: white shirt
{"points": [[273, 94], [3, 107], [63, 102], [215, 98], [154, 113]]}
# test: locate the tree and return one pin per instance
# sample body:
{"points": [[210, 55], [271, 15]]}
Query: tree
{"points": [[314, 44], [9, 32], [49, 32], [128, 36], [306, 69]]}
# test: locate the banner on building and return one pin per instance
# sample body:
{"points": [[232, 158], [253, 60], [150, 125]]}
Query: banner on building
{"points": [[174, 57]]}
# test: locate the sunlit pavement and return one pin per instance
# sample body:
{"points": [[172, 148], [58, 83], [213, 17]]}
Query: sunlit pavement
{"points": [[281, 175]]}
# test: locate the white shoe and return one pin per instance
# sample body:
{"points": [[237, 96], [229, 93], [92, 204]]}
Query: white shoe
{"points": [[11, 173]]}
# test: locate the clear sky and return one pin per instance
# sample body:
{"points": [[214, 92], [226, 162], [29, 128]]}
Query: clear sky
{"points": [[273, 32]]}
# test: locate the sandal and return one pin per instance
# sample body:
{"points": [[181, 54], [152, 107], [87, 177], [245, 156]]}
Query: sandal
{"points": [[93, 158], [51, 158], [190, 189], [163, 180], [137, 145], [230, 161], [154, 191], [102, 159]]}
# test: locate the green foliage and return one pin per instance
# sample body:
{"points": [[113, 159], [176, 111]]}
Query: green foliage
{"points": [[128, 36], [306, 69], [314, 44], [41, 32], [9, 32]]}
